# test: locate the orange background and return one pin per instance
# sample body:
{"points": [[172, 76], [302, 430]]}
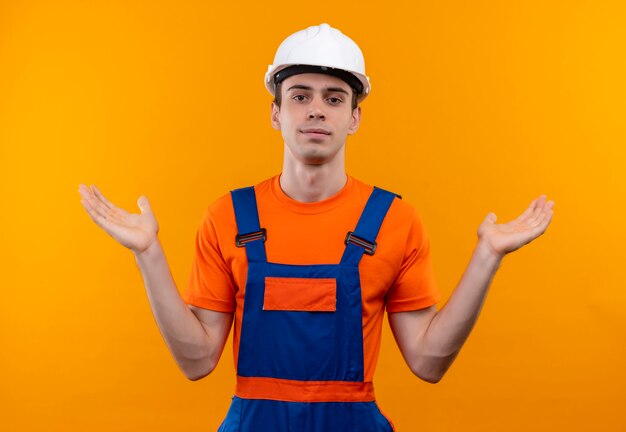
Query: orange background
{"points": [[475, 107]]}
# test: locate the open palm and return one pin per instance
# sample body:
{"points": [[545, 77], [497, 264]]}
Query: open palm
{"points": [[508, 237], [135, 231]]}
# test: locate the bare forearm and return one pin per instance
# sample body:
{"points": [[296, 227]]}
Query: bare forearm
{"points": [[183, 333], [429, 339], [451, 326]]}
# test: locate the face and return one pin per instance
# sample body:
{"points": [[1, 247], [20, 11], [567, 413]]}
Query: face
{"points": [[315, 117]]}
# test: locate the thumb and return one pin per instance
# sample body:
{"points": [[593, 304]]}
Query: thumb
{"points": [[144, 204], [487, 223]]}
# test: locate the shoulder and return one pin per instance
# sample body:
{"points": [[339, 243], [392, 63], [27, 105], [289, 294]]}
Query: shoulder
{"points": [[221, 205], [222, 211], [403, 225], [400, 209]]}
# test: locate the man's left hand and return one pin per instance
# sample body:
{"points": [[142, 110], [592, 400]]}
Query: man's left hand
{"points": [[502, 239]]}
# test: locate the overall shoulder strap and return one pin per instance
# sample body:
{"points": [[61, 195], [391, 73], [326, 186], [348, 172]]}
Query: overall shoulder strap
{"points": [[363, 238], [250, 234]]}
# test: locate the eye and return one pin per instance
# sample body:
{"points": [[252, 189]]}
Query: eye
{"points": [[334, 100], [299, 98]]}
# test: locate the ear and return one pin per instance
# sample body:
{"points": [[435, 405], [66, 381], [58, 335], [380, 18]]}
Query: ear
{"points": [[274, 116], [356, 120]]}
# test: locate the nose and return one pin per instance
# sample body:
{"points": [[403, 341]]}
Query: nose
{"points": [[315, 111]]}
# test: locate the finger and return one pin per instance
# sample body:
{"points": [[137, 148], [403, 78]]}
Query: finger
{"points": [[115, 215], [540, 202], [548, 219], [545, 222], [89, 196], [102, 197], [106, 223], [542, 222], [528, 212], [144, 204], [537, 211], [84, 191], [106, 208], [547, 208], [548, 211], [94, 214], [97, 207]]}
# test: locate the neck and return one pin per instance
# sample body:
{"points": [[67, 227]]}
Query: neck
{"points": [[312, 183]]}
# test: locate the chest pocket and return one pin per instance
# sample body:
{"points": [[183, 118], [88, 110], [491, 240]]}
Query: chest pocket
{"points": [[300, 294]]}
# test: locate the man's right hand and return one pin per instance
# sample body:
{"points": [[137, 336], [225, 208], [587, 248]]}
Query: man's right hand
{"points": [[135, 231]]}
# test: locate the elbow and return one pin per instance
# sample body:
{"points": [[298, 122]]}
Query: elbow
{"points": [[197, 370], [430, 378], [194, 376], [432, 370], [430, 375]]}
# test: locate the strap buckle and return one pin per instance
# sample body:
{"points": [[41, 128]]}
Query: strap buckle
{"points": [[242, 239], [368, 247]]}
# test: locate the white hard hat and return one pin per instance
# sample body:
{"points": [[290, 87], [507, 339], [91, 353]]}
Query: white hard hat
{"points": [[320, 49]]}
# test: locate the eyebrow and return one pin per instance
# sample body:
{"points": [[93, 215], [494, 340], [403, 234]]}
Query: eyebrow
{"points": [[330, 89]]}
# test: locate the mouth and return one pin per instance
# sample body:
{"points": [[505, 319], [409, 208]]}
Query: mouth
{"points": [[316, 132]]}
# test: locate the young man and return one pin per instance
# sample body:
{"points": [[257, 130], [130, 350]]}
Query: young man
{"points": [[306, 263]]}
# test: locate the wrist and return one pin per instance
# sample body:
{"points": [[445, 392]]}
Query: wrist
{"points": [[153, 250], [485, 251]]}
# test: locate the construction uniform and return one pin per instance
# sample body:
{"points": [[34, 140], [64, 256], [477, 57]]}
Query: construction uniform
{"points": [[307, 333]]}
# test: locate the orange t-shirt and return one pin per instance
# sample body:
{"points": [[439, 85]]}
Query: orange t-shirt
{"points": [[398, 276]]}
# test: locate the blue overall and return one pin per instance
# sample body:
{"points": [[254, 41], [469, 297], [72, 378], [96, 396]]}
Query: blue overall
{"points": [[304, 346]]}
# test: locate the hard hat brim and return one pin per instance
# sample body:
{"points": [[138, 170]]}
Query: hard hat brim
{"points": [[274, 70]]}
